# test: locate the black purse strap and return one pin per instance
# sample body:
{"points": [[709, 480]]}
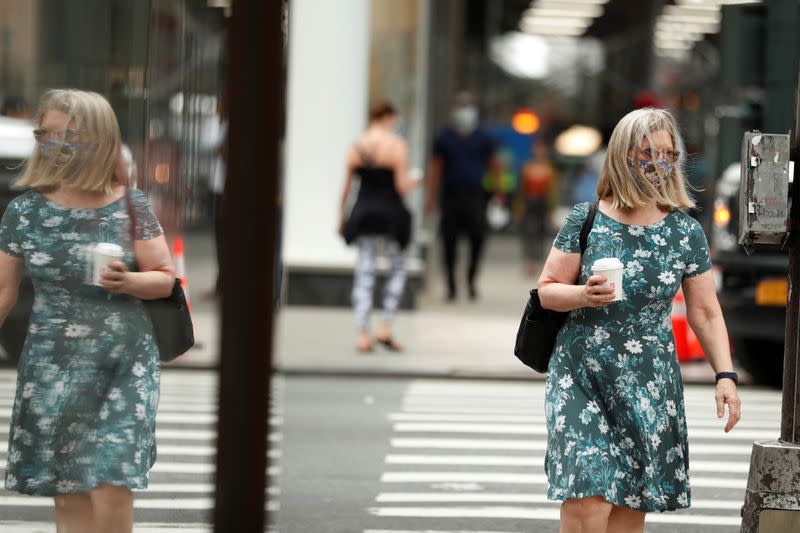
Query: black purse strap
{"points": [[587, 226]]}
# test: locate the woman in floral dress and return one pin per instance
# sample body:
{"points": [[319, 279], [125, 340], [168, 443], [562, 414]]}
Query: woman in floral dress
{"points": [[83, 421], [617, 439]]}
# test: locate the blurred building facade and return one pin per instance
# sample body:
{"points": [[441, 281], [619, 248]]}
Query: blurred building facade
{"points": [[161, 65]]}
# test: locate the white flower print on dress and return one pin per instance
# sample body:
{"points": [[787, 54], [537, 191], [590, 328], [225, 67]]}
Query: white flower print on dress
{"points": [[138, 370], [593, 365], [114, 394], [28, 389], [66, 486], [636, 231], [679, 265], [671, 410], [14, 247], [659, 240], [692, 268], [560, 422], [600, 335], [140, 412], [77, 331], [52, 222], [683, 500], [603, 426], [592, 406], [40, 258], [667, 278], [633, 501], [643, 254], [655, 440], [14, 456], [632, 268], [633, 346], [564, 383], [44, 424]]}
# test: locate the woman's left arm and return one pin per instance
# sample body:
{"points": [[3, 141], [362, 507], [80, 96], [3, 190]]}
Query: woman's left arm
{"points": [[156, 274], [705, 318]]}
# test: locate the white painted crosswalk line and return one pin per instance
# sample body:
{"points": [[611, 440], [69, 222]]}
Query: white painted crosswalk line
{"points": [[186, 436], [537, 461], [541, 444], [490, 438], [515, 497], [532, 513]]}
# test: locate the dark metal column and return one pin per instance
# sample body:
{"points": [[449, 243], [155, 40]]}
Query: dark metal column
{"points": [[790, 421], [256, 87]]}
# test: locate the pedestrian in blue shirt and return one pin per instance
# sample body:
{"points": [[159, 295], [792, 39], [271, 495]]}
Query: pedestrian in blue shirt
{"points": [[462, 154]]}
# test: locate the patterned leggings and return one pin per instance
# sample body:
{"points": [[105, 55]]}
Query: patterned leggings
{"points": [[364, 280]]}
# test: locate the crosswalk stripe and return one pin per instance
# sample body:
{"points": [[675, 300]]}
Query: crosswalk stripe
{"points": [[527, 513], [502, 460], [526, 479], [541, 444], [430, 531], [189, 504], [17, 526], [516, 497], [759, 423], [529, 429]]}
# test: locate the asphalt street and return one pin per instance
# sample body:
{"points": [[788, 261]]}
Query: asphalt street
{"points": [[383, 455]]}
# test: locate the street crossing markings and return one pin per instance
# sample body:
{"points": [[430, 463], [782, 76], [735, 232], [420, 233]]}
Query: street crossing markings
{"points": [[515, 497], [487, 436], [186, 442], [538, 461], [541, 444], [16, 526], [528, 513]]}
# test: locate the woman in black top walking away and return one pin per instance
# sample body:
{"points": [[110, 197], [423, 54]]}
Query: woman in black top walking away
{"points": [[380, 159]]}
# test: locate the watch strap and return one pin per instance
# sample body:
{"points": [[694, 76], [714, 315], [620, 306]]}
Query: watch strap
{"points": [[727, 375]]}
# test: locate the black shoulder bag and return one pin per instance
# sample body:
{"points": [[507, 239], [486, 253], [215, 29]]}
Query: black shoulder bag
{"points": [[172, 323], [539, 327]]}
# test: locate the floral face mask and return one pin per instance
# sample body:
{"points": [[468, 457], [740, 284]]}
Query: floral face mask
{"points": [[60, 152], [656, 172]]}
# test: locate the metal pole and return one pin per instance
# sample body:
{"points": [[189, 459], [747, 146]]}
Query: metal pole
{"points": [[790, 423], [256, 104]]}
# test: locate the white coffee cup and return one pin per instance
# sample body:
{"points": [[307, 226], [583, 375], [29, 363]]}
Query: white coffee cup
{"points": [[103, 254], [613, 269]]}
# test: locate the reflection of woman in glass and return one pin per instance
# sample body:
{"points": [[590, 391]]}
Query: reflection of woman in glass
{"points": [[380, 159], [82, 426]]}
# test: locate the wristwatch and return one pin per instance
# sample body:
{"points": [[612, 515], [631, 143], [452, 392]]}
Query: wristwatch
{"points": [[729, 375]]}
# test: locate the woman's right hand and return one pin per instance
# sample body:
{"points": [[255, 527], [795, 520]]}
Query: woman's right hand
{"points": [[596, 293]]}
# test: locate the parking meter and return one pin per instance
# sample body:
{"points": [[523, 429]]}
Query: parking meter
{"points": [[764, 189]]}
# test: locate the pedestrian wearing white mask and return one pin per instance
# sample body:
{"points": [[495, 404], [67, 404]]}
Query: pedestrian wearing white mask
{"points": [[462, 154]]}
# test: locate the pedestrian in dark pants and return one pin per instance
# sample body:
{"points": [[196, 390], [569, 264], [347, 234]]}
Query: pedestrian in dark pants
{"points": [[462, 154]]}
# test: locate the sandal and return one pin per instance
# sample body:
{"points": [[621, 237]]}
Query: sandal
{"points": [[390, 344]]}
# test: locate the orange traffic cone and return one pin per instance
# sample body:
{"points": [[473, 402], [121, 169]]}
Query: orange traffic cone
{"points": [[180, 268], [686, 343]]}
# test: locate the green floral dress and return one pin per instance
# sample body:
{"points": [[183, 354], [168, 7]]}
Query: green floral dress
{"points": [[88, 382], [614, 396]]}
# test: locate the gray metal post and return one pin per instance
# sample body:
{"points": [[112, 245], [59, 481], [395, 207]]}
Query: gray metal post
{"points": [[772, 499]]}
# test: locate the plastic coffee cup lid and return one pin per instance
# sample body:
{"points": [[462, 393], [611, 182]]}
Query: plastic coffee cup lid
{"points": [[108, 248], [607, 263]]}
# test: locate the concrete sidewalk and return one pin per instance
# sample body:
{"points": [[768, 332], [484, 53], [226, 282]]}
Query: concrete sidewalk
{"points": [[461, 339]]}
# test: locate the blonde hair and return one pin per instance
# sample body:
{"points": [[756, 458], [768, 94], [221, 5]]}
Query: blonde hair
{"points": [[620, 178], [90, 170]]}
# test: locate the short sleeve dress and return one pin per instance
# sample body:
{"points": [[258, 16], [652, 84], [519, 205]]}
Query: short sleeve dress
{"points": [[614, 396], [88, 379]]}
